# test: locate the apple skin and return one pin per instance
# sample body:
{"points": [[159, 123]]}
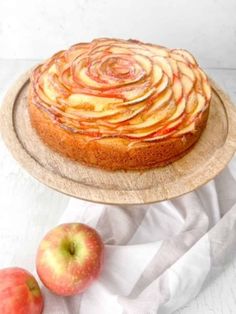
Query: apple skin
{"points": [[19, 292], [70, 258]]}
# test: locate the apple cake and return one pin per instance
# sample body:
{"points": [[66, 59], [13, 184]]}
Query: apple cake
{"points": [[120, 104]]}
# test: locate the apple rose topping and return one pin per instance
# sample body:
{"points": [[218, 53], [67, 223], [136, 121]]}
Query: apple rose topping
{"points": [[122, 88]]}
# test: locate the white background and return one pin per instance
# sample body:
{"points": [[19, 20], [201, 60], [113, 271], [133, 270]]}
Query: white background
{"points": [[32, 30], [36, 28]]}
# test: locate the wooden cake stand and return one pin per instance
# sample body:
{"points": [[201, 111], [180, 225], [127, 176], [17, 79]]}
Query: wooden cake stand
{"points": [[207, 158]]}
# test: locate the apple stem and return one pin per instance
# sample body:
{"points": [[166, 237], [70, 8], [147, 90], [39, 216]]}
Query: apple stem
{"points": [[33, 286], [72, 248]]}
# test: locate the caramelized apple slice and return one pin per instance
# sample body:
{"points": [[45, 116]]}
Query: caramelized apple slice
{"points": [[174, 66], [126, 116], [145, 63], [179, 110], [154, 119], [140, 99], [197, 74], [177, 89], [165, 66], [43, 98], [187, 84], [92, 114], [201, 101], [99, 103], [162, 85], [158, 137], [80, 75], [187, 129], [164, 132], [207, 90], [143, 51], [191, 102], [136, 135], [119, 50], [177, 57], [203, 75], [186, 55], [160, 101], [52, 87], [157, 74], [175, 123], [135, 91], [184, 69]]}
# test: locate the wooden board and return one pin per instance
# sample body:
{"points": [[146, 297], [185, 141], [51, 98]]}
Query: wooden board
{"points": [[208, 157]]}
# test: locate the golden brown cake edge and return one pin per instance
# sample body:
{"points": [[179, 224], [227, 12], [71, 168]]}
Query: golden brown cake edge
{"points": [[112, 153]]}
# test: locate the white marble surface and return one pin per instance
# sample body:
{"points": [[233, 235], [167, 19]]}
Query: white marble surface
{"points": [[36, 29], [36, 208]]}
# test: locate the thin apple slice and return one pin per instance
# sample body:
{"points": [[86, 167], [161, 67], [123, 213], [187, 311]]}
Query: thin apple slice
{"points": [[163, 84], [52, 69], [197, 74], [177, 89], [185, 54], [191, 102], [200, 107], [187, 84], [177, 57], [160, 101], [158, 50], [167, 131], [42, 97], [126, 116], [201, 102], [203, 75], [52, 87], [145, 63], [165, 66], [99, 103], [144, 97], [188, 129], [80, 75], [135, 91], [149, 122], [92, 114], [174, 66], [207, 89], [180, 108], [142, 51], [139, 133], [158, 137], [74, 52], [136, 135], [175, 123], [154, 119], [186, 70], [119, 50], [157, 74], [66, 79]]}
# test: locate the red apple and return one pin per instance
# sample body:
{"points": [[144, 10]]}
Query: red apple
{"points": [[69, 258], [19, 292]]}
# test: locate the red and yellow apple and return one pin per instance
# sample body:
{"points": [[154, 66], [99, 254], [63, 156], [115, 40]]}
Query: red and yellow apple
{"points": [[19, 292], [69, 258]]}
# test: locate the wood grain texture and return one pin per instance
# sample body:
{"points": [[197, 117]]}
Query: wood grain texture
{"points": [[208, 157]]}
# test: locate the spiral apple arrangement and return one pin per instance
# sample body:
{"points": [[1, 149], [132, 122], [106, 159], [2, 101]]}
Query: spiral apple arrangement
{"points": [[119, 88]]}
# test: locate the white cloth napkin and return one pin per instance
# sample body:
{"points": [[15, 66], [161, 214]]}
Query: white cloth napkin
{"points": [[157, 257]]}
